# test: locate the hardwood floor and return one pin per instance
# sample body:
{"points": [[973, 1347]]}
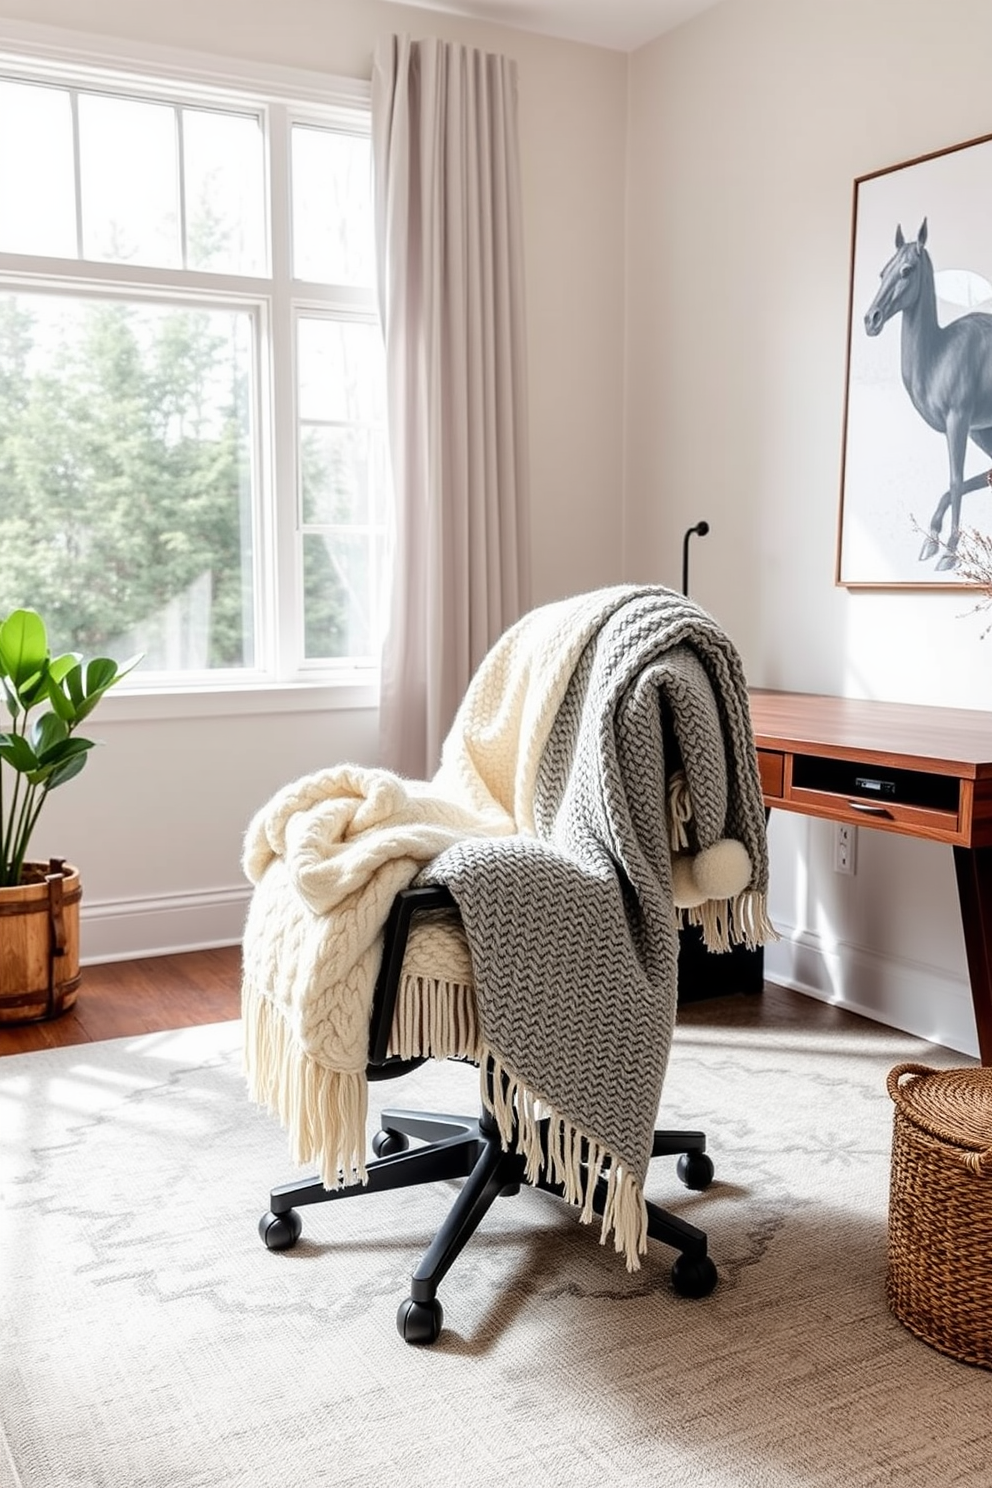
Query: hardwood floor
{"points": [[121, 998]]}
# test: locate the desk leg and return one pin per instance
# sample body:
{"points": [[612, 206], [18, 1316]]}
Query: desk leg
{"points": [[973, 866]]}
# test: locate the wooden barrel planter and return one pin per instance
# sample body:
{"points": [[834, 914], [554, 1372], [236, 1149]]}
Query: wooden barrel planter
{"points": [[39, 943]]}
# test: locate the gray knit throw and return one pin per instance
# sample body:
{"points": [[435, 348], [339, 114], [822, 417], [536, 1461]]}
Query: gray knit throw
{"points": [[573, 933]]}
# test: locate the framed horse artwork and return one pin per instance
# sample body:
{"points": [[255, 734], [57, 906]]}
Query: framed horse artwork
{"points": [[917, 459]]}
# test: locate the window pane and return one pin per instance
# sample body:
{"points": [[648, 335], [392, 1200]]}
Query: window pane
{"points": [[333, 238], [341, 371], [334, 471], [36, 146], [129, 181], [126, 477], [338, 596], [381, 485], [343, 484], [225, 192]]}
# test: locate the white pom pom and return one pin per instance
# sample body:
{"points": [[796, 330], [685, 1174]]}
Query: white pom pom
{"points": [[684, 889], [723, 870]]}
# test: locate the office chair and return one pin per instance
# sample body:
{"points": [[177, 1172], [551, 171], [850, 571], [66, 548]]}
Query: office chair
{"points": [[466, 1147]]}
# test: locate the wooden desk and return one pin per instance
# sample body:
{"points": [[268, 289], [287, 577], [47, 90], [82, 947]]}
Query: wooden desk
{"points": [[897, 767]]}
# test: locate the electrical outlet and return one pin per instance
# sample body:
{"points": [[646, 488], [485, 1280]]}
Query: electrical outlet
{"points": [[845, 848]]}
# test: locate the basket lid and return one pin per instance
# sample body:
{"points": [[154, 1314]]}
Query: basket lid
{"points": [[954, 1105]]}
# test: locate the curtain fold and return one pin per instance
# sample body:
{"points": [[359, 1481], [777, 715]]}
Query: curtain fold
{"points": [[451, 293]]}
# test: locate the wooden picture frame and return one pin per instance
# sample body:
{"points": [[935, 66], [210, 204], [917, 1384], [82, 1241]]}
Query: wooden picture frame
{"points": [[917, 440]]}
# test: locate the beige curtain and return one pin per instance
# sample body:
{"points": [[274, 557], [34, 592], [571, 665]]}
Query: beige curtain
{"points": [[447, 198]]}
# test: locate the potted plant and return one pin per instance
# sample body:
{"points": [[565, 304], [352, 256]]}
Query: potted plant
{"points": [[47, 699]]}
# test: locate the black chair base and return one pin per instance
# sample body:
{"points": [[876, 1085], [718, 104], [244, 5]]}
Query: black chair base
{"points": [[469, 1147]]}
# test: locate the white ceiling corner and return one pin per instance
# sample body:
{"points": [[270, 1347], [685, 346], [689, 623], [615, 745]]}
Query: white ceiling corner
{"points": [[623, 25]]}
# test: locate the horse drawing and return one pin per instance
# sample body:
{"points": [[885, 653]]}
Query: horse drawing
{"points": [[947, 372]]}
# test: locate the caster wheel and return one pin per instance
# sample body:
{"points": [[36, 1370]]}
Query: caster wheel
{"points": [[387, 1143], [693, 1278], [695, 1170], [280, 1231], [419, 1322]]}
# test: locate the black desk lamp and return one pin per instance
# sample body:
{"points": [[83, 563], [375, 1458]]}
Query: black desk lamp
{"points": [[701, 528]]}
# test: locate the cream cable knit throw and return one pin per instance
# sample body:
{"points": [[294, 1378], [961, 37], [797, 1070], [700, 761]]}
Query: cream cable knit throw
{"points": [[523, 762]]}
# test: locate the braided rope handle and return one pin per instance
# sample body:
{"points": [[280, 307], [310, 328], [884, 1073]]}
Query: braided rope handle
{"points": [[895, 1075], [979, 1163]]}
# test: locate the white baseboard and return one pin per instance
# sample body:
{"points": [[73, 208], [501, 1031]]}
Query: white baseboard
{"points": [[126, 929], [924, 1000]]}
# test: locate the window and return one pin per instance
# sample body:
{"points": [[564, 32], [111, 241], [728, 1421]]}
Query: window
{"points": [[193, 457]]}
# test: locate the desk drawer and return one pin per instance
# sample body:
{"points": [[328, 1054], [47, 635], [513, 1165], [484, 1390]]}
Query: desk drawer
{"points": [[771, 770], [918, 821], [880, 790], [918, 802]]}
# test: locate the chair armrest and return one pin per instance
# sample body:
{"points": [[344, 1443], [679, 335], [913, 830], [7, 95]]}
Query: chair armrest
{"points": [[407, 903]]}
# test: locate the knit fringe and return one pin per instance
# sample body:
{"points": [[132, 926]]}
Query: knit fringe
{"points": [[323, 1110], [552, 1144], [742, 920], [436, 1019]]}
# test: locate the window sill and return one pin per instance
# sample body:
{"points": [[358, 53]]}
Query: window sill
{"points": [[238, 700]]}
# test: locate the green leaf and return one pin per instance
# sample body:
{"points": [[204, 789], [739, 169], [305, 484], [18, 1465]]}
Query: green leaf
{"points": [[72, 684], [18, 753], [47, 731], [10, 697], [34, 688], [60, 701], [101, 674], [63, 749], [67, 771], [54, 764], [23, 647], [59, 666]]}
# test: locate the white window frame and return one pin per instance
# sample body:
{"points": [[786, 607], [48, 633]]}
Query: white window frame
{"points": [[283, 97]]}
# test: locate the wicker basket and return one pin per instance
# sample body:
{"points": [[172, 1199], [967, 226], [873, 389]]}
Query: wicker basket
{"points": [[939, 1279]]}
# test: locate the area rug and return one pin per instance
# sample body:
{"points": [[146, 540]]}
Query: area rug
{"points": [[149, 1340]]}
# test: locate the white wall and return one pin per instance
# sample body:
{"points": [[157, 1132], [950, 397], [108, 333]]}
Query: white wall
{"points": [[748, 127], [156, 821]]}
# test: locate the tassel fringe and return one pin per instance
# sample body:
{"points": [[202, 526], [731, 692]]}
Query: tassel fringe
{"points": [[324, 1111], [552, 1144], [742, 920], [434, 1018]]}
